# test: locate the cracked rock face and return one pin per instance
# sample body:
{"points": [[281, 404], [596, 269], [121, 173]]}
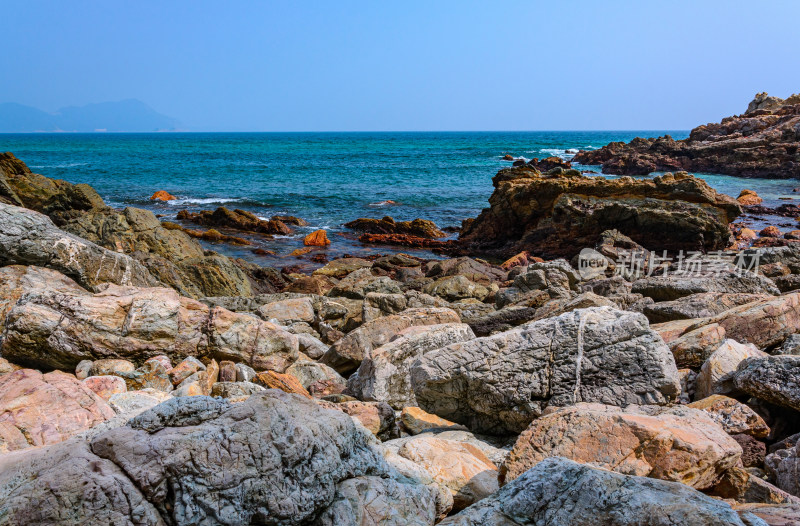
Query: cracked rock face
{"points": [[679, 444], [500, 383], [31, 238], [559, 492], [51, 322], [273, 459]]}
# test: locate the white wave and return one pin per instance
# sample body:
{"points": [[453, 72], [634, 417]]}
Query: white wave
{"points": [[57, 165], [203, 201], [387, 202], [572, 150]]}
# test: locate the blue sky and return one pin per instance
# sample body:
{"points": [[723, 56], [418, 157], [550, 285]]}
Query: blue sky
{"points": [[346, 65]]}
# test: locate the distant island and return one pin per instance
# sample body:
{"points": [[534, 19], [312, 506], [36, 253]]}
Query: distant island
{"points": [[129, 115]]}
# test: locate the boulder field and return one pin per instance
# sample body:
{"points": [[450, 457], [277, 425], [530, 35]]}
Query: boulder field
{"points": [[144, 380]]}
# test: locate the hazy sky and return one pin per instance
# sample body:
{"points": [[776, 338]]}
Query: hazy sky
{"points": [[432, 65]]}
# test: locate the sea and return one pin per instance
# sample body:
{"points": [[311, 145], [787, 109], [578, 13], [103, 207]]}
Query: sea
{"points": [[326, 179]]}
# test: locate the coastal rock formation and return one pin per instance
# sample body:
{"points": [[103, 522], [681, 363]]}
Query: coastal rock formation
{"points": [[763, 142], [561, 492], [678, 443], [775, 379], [317, 238], [31, 238], [535, 212], [240, 220], [387, 225], [49, 321], [588, 355], [162, 195], [257, 477], [40, 409]]}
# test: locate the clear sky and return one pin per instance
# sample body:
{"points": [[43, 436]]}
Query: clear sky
{"points": [[412, 65]]}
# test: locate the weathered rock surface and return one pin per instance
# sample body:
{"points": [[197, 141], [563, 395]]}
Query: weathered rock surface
{"points": [[679, 444], [31, 238], [700, 305], [775, 379], [559, 492], [672, 287], [498, 384], [346, 354], [733, 416], [40, 409], [387, 225], [783, 467], [536, 213], [761, 143], [51, 322], [719, 370], [384, 373], [236, 219]]}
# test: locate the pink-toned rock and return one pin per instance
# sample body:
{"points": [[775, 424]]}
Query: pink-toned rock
{"points": [[460, 467], [678, 443], [106, 386], [185, 369], [46, 408], [163, 360]]}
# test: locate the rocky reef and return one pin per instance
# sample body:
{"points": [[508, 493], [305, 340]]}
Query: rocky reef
{"points": [[538, 212], [762, 142], [398, 390]]}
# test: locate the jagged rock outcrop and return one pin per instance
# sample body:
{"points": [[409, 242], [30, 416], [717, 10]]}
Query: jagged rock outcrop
{"points": [[200, 460], [763, 142], [559, 492], [240, 220], [558, 215], [498, 384], [49, 321]]}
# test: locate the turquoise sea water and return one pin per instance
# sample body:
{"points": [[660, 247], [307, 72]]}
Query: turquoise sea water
{"points": [[324, 178]]}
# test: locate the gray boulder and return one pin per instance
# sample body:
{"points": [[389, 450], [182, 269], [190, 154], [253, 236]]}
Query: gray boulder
{"points": [[31, 238], [672, 287], [775, 379], [701, 305], [499, 384], [559, 492]]}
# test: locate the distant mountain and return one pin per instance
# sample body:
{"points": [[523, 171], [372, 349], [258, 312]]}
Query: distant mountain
{"points": [[124, 116]]}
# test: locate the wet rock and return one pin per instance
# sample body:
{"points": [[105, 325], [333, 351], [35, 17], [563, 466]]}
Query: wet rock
{"points": [[678, 443], [240, 220], [597, 354], [346, 354], [39, 409], [418, 227], [162, 195], [566, 492], [317, 238]]}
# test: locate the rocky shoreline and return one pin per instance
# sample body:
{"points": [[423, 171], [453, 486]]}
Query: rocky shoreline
{"points": [[618, 360], [762, 142]]}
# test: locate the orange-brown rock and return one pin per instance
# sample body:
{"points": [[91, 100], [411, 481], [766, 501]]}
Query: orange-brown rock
{"points": [[560, 214], [318, 238], [162, 195], [300, 251], [749, 198], [39, 409], [284, 382], [235, 220], [678, 443], [520, 260], [387, 225], [770, 231], [415, 421]]}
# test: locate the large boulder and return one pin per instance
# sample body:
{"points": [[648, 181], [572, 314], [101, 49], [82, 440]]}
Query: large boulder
{"points": [[557, 215], [40, 409], [347, 353], [384, 374], [760, 143], [700, 305], [672, 287], [50, 322], [498, 384], [560, 492], [31, 238], [783, 467], [717, 373], [775, 379], [274, 459], [677, 443]]}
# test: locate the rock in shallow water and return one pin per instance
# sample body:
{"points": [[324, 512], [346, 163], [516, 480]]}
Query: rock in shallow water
{"points": [[499, 383]]}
